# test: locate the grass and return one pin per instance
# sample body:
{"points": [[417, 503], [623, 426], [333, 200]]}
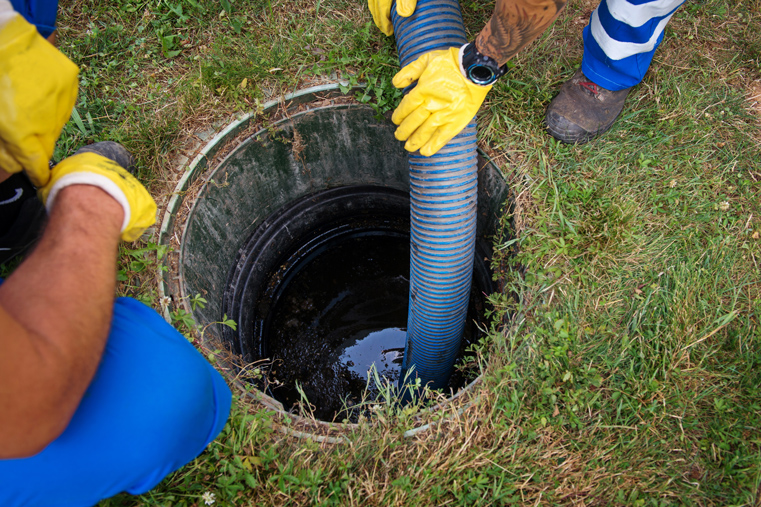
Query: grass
{"points": [[630, 372]]}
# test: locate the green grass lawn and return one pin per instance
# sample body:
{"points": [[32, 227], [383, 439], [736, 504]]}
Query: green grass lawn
{"points": [[630, 370]]}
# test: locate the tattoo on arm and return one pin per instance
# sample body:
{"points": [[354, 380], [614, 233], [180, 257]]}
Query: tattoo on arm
{"points": [[514, 24]]}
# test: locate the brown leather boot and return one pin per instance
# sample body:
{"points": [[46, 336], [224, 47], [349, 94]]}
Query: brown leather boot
{"points": [[583, 110]]}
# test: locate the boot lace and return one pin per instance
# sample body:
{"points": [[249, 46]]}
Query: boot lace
{"points": [[590, 87]]}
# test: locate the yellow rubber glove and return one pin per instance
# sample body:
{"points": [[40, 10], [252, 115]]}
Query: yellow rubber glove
{"points": [[38, 87], [99, 171], [381, 11], [442, 103]]}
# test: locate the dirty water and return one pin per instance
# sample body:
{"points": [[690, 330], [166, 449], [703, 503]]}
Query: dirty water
{"points": [[341, 312]]}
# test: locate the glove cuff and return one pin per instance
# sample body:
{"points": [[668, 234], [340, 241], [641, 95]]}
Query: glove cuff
{"points": [[95, 180]]}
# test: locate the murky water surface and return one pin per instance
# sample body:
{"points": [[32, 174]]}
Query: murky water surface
{"points": [[344, 311]]}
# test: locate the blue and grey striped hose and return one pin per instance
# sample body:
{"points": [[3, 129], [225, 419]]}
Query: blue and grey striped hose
{"points": [[443, 191]]}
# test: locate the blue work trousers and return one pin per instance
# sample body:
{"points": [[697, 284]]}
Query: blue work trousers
{"points": [[154, 404], [621, 38]]}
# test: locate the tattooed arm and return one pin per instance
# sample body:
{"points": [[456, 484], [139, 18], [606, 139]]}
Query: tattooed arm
{"points": [[514, 24]]}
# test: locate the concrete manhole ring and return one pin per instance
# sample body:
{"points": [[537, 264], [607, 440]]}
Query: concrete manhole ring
{"points": [[217, 176]]}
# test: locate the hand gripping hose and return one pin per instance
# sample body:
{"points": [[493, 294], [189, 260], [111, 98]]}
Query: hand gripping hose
{"points": [[443, 191]]}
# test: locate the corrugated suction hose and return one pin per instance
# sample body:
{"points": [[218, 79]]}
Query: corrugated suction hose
{"points": [[443, 192]]}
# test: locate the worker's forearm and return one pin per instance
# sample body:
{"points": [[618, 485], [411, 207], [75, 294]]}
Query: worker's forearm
{"points": [[514, 24], [58, 303]]}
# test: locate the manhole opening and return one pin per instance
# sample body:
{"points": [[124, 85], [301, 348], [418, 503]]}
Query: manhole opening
{"points": [[250, 178], [321, 293]]}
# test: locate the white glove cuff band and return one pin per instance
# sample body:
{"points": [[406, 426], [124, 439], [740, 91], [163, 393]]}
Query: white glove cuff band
{"points": [[95, 180]]}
